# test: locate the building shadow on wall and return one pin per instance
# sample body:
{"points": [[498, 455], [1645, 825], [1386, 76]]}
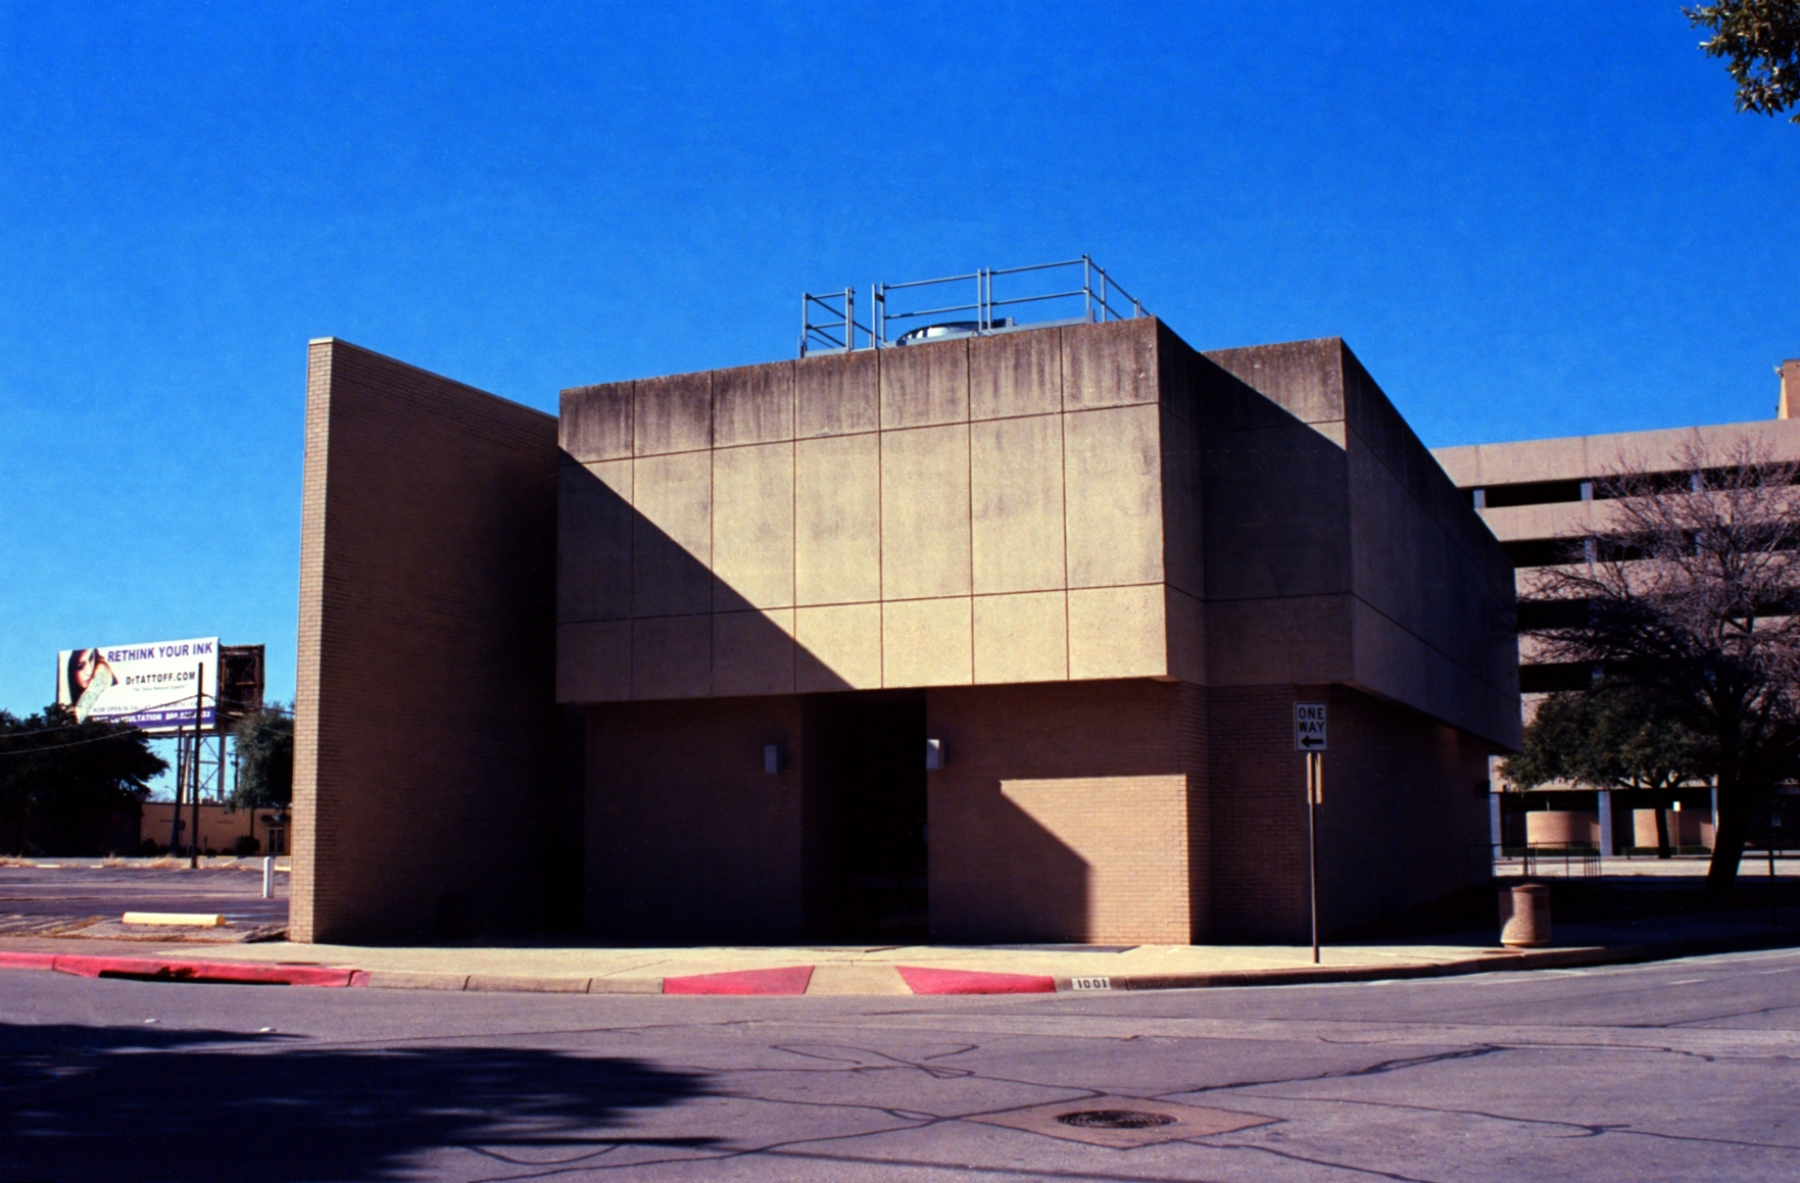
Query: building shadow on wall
{"points": [[671, 628], [720, 646], [130, 1102]]}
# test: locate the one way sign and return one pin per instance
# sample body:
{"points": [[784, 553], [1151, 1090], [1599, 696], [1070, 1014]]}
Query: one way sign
{"points": [[1309, 727]]}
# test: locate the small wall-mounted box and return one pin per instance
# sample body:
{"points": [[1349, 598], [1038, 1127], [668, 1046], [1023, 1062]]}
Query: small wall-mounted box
{"points": [[934, 755], [772, 761]]}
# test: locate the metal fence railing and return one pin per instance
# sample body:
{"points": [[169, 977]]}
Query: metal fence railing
{"points": [[1571, 855], [987, 300]]}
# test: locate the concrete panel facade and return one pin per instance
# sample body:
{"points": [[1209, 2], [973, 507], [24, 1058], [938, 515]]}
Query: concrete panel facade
{"points": [[1589, 457], [1032, 462], [427, 778], [1016, 527], [1363, 562]]}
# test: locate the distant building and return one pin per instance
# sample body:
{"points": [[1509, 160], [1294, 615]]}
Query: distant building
{"points": [[991, 638], [221, 828], [1538, 497]]}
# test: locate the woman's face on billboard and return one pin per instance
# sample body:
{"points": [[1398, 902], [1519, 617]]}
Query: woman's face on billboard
{"points": [[85, 663]]}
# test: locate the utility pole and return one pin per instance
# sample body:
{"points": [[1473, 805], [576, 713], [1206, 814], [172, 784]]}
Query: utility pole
{"points": [[194, 763]]}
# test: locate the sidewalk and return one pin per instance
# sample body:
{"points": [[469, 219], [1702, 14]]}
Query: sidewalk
{"points": [[919, 969], [68, 921]]}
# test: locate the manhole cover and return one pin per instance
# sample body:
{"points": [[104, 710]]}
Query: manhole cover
{"points": [[1114, 1119]]}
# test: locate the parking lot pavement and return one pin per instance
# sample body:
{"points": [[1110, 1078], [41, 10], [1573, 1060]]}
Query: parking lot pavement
{"points": [[88, 899], [1672, 1071]]}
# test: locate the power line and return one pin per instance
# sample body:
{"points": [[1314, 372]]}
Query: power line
{"points": [[74, 743], [155, 706], [127, 731]]}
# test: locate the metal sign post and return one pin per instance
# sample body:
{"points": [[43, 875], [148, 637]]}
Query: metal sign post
{"points": [[1309, 738]]}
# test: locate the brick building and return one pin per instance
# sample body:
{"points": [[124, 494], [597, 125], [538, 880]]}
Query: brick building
{"points": [[992, 638]]}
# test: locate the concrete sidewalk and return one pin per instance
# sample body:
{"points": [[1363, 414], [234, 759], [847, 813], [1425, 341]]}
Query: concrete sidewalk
{"points": [[918, 969], [827, 970]]}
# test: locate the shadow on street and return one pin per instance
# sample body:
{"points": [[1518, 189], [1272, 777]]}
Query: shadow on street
{"points": [[80, 1102]]}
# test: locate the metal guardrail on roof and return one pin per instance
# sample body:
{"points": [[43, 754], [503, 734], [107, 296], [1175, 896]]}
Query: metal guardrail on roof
{"points": [[934, 309]]}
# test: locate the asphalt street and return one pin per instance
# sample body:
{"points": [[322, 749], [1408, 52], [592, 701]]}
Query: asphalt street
{"points": [[1677, 1070]]}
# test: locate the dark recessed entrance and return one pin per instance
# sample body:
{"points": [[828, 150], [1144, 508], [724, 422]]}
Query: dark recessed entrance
{"points": [[872, 884]]}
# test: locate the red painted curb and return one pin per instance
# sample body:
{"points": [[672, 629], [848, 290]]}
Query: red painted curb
{"points": [[964, 981], [27, 961], [160, 969], [792, 979]]}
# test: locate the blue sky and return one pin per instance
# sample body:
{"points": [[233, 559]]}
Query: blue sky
{"points": [[1528, 219]]}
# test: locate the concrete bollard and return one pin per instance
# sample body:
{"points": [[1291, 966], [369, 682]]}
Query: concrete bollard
{"points": [[1525, 916], [268, 878]]}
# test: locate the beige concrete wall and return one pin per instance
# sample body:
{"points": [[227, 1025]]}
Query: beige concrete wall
{"points": [[967, 512], [1336, 549], [1077, 503], [1584, 457], [426, 736], [220, 828]]}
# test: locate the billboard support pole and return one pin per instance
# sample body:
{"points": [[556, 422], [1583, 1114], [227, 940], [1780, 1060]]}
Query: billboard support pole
{"points": [[180, 784], [199, 709]]}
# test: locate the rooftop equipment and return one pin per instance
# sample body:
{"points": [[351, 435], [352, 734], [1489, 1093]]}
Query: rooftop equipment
{"points": [[926, 309]]}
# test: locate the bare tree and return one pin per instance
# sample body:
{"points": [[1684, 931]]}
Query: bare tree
{"points": [[1690, 592]]}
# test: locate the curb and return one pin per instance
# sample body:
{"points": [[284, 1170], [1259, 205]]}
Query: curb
{"points": [[920, 980], [164, 969], [792, 979], [1324, 975]]}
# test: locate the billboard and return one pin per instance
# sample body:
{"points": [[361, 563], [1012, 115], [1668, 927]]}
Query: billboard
{"points": [[150, 686]]}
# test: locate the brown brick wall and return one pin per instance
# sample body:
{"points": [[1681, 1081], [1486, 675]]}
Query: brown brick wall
{"points": [[1258, 825], [1123, 812], [688, 838], [427, 750], [1070, 812], [1405, 813], [1401, 823]]}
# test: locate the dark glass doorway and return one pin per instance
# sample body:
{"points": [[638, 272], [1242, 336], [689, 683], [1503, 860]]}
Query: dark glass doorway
{"points": [[880, 775]]}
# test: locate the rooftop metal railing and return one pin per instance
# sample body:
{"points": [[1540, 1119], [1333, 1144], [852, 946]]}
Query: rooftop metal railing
{"points": [[828, 322], [835, 329]]}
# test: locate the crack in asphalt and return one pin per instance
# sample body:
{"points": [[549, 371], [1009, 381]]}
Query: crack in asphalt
{"points": [[1584, 1129], [1320, 1162]]}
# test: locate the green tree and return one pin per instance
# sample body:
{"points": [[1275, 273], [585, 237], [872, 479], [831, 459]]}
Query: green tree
{"points": [[265, 759], [1761, 41], [59, 777], [1619, 735]]}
